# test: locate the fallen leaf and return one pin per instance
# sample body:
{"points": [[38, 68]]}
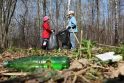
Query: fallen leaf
{"points": [[118, 71], [84, 62], [76, 65]]}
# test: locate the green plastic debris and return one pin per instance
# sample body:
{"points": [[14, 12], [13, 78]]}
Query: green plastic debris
{"points": [[33, 62]]}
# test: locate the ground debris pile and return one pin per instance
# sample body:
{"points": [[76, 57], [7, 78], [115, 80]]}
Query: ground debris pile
{"points": [[81, 70]]}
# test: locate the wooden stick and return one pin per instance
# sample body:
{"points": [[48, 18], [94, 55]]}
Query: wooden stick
{"points": [[75, 78], [82, 71], [86, 80], [81, 41], [75, 36], [79, 73], [65, 79], [3, 71], [17, 74], [107, 45], [96, 66]]}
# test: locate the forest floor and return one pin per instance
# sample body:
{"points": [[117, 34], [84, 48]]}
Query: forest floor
{"points": [[82, 68]]}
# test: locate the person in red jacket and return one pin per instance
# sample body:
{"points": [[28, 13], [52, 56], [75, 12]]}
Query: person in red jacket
{"points": [[46, 32]]}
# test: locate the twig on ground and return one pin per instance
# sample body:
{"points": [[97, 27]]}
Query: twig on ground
{"points": [[86, 80], [82, 71], [17, 74], [74, 79], [107, 45]]}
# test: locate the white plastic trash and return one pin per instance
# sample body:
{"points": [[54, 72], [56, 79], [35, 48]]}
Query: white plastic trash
{"points": [[109, 56], [117, 58], [105, 56]]}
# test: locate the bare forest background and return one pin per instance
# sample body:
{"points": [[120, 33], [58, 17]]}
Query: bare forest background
{"points": [[100, 20]]}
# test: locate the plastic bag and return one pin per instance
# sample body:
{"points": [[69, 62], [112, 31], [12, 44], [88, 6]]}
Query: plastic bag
{"points": [[63, 36], [53, 44]]}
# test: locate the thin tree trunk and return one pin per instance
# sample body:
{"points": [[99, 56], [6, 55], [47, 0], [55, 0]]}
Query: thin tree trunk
{"points": [[69, 1], [80, 27], [93, 13], [50, 8], [98, 16], [57, 15], [38, 12], [1, 5], [44, 8], [9, 7], [116, 21]]}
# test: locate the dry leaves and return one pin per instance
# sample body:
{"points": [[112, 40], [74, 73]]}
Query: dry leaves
{"points": [[79, 64], [118, 71]]}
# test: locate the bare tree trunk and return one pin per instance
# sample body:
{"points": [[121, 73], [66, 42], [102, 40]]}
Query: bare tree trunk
{"points": [[116, 21], [111, 21], [1, 5], [80, 27], [50, 8], [38, 12], [44, 7], [7, 12], [93, 12], [39, 22], [23, 26], [98, 16], [69, 1], [57, 15]]}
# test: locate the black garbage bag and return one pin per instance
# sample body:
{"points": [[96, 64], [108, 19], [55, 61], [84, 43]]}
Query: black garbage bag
{"points": [[63, 36], [52, 44]]}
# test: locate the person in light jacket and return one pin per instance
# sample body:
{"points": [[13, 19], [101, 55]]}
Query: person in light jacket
{"points": [[72, 28]]}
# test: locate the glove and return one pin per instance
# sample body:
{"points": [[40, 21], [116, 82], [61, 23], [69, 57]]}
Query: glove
{"points": [[66, 27], [52, 30], [74, 27]]}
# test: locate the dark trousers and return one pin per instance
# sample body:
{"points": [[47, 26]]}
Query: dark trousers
{"points": [[45, 44]]}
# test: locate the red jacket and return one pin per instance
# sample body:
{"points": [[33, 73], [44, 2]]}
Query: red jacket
{"points": [[46, 30]]}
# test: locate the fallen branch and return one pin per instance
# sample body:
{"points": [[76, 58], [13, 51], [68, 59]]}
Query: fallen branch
{"points": [[82, 71], [79, 73], [16, 74], [96, 66], [86, 80], [65, 79], [75, 78], [107, 45], [3, 71]]}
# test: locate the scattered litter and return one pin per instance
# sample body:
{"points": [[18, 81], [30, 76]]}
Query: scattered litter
{"points": [[109, 56]]}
